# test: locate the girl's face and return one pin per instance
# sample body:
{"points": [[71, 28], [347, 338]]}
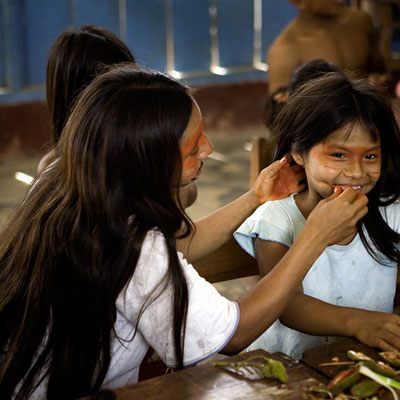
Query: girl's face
{"points": [[195, 147], [342, 159]]}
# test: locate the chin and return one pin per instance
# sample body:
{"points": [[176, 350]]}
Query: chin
{"points": [[333, 12]]}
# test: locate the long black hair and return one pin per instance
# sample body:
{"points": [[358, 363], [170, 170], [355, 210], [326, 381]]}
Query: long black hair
{"points": [[70, 251], [328, 103], [75, 58]]}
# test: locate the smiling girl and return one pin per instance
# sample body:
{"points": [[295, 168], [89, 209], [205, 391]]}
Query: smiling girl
{"points": [[344, 134]]}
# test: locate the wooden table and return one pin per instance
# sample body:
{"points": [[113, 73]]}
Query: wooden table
{"points": [[205, 381]]}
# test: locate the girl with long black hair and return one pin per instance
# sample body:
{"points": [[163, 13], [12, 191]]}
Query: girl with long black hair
{"points": [[90, 275]]}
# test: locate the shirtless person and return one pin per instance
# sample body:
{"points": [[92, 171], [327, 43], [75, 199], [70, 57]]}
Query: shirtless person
{"points": [[329, 30]]}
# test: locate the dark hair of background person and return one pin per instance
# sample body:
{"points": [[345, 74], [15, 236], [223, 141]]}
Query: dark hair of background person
{"points": [[310, 70], [305, 72], [75, 58], [329, 103], [70, 251]]}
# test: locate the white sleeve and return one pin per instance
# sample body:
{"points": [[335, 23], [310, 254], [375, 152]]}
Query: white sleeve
{"points": [[269, 222], [211, 318]]}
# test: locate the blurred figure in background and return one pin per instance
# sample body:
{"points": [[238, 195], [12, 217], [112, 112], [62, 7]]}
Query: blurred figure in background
{"points": [[329, 30]]}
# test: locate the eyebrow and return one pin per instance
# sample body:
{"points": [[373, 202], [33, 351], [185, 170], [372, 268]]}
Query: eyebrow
{"points": [[340, 147]]}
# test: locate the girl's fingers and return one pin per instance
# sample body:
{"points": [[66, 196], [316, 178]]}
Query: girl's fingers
{"points": [[360, 214], [350, 195], [354, 199]]}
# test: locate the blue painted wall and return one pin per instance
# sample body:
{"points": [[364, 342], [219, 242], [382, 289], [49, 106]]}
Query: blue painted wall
{"points": [[203, 41]]}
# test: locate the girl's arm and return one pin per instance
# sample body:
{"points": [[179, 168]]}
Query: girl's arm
{"points": [[315, 317], [332, 219], [276, 181]]}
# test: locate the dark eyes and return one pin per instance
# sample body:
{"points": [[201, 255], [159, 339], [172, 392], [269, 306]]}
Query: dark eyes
{"points": [[338, 155], [194, 152], [367, 157]]}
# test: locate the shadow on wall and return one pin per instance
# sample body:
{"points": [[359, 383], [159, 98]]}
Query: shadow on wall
{"points": [[227, 109]]}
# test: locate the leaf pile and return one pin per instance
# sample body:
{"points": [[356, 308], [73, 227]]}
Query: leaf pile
{"points": [[367, 379]]}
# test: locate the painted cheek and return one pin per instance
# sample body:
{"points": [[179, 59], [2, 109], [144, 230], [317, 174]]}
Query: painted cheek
{"points": [[189, 167], [373, 169], [375, 173], [188, 147], [316, 178], [321, 162], [190, 163], [333, 169]]}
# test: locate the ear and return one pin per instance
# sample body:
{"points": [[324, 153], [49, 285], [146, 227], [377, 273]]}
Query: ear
{"points": [[298, 158]]}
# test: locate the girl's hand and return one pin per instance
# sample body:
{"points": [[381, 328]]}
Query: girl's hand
{"points": [[376, 329], [278, 180], [334, 219]]}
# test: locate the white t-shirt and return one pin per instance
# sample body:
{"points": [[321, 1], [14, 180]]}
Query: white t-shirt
{"points": [[211, 318], [342, 275]]}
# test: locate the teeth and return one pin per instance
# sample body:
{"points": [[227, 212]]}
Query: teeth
{"points": [[354, 187]]}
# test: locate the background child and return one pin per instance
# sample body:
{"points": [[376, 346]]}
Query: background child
{"points": [[74, 60], [329, 30], [344, 134]]}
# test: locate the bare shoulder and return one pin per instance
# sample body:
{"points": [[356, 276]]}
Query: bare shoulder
{"points": [[287, 37], [283, 57], [284, 45], [358, 18]]}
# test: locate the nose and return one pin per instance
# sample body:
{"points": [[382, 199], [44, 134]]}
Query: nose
{"points": [[354, 170], [206, 147]]}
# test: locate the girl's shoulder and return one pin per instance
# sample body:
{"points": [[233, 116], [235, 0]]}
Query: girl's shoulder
{"points": [[278, 209], [281, 204]]}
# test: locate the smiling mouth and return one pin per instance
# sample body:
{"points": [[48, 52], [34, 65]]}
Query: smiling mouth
{"points": [[356, 188]]}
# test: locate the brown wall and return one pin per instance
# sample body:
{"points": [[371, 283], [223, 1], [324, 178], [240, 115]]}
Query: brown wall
{"points": [[231, 108], [25, 130]]}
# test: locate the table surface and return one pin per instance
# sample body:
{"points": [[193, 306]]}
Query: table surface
{"points": [[206, 381]]}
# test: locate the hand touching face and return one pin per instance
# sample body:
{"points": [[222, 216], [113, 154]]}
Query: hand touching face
{"points": [[278, 180]]}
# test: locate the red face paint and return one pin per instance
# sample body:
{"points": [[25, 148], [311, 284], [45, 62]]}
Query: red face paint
{"points": [[195, 147]]}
